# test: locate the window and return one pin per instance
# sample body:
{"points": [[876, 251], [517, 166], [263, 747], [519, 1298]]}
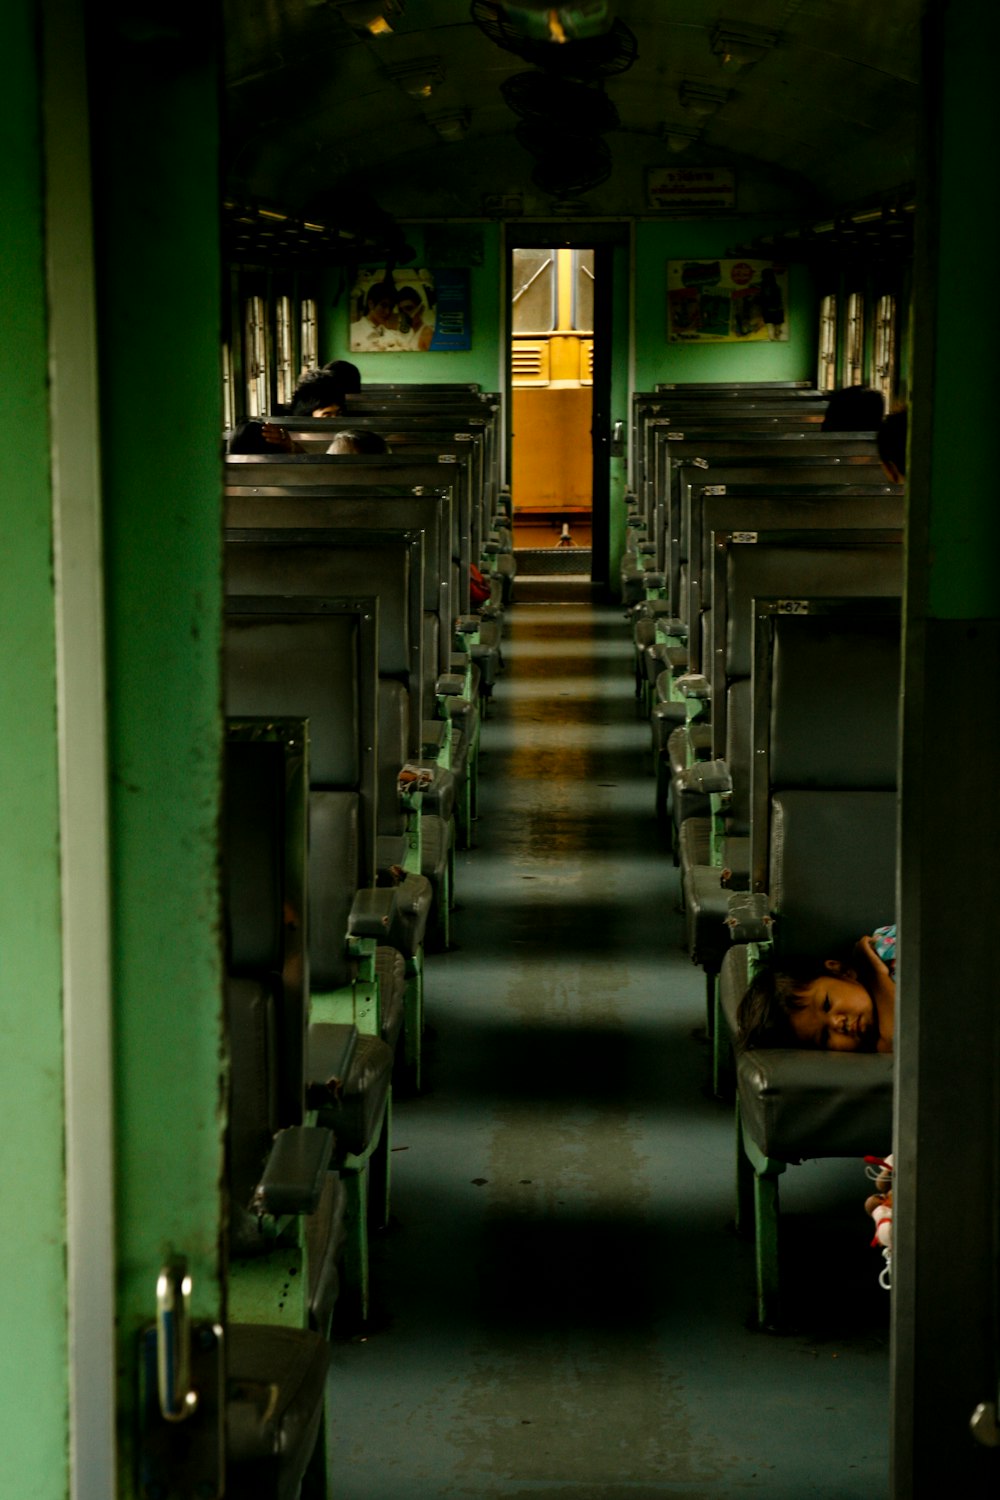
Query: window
{"points": [[256, 355], [310, 334], [534, 291], [826, 374], [284, 350], [583, 291], [228, 397], [884, 377], [854, 346]]}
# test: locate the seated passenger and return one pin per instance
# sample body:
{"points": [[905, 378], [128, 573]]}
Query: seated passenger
{"points": [[250, 437], [322, 393], [319, 393], [891, 444], [832, 1004], [361, 441], [854, 408]]}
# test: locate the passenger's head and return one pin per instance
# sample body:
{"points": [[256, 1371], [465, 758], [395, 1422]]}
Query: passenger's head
{"points": [[249, 438], [361, 441], [347, 376], [854, 408], [380, 300], [318, 394], [808, 1002], [891, 440]]}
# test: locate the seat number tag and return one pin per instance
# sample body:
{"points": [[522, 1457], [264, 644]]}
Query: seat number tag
{"points": [[792, 607]]}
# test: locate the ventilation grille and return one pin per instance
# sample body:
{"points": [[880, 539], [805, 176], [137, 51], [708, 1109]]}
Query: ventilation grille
{"points": [[529, 362]]}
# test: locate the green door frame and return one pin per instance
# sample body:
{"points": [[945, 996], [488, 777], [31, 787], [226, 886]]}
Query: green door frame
{"points": [[610, 244]]}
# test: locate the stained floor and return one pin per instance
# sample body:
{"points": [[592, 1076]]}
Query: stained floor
{"points": [[562, 1308]]}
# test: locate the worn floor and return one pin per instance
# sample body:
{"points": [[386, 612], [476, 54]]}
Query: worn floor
{"points": [[562, 1308]]}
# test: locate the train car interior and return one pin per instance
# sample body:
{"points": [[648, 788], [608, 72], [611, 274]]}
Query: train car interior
{"points": [[496, 963]]}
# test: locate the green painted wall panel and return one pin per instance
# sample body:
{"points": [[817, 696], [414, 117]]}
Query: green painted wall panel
{"points": [[156, 153], [655, 359], [964, 523], [33, 1377], [479, 364]]}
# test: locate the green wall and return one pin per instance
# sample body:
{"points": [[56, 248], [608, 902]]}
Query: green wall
{"points": [[155, 148], [480, 364], [33, 1294], [655, 359]]}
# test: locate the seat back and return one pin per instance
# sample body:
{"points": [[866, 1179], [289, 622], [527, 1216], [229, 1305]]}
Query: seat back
{"points": [[750, 510], [324, 563], [778, 566], [369, 471], [359, 505], [317, 659], [264, 851], [826, 746], [676, 445]]}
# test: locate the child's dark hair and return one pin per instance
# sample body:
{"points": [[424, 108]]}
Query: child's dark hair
{"points": [[347, 376], [316, 388], [763, 1017], [854, 408]]}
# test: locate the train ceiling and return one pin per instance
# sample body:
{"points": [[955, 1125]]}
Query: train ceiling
{"points": [[344, 111]]}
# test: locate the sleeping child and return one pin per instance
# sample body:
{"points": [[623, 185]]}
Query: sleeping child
{"points": [[833, 1004]]}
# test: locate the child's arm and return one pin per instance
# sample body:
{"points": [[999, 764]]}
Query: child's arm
{"points": [[882, 988]]}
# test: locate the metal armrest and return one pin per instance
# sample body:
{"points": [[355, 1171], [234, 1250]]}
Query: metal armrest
{"points": [[694, 685], [707, 777], [372, 912], [749, 919], [295, 1173]]}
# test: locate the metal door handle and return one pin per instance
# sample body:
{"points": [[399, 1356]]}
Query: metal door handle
{"points": [[984, 1424], [173, 1342]]}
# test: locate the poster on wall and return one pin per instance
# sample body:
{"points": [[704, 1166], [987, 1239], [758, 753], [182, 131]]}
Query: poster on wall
{"points": [[410, 311], [727, 301]]}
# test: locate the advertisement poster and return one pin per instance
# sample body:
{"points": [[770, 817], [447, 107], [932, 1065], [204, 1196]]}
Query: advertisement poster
{"points": [[410, 311], [726, 301]]}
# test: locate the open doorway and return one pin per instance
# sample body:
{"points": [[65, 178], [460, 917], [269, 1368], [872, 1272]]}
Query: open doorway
{"points": [[552, 397]]}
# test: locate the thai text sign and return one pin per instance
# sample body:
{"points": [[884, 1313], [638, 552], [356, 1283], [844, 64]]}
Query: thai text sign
{"points": [[687, 189]]}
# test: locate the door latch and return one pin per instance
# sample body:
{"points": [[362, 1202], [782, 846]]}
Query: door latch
{"points": [[182, 1395], [984, 1425]]}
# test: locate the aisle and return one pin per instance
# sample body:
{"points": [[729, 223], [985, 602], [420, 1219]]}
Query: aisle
{"points": [[560, 1302]]}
